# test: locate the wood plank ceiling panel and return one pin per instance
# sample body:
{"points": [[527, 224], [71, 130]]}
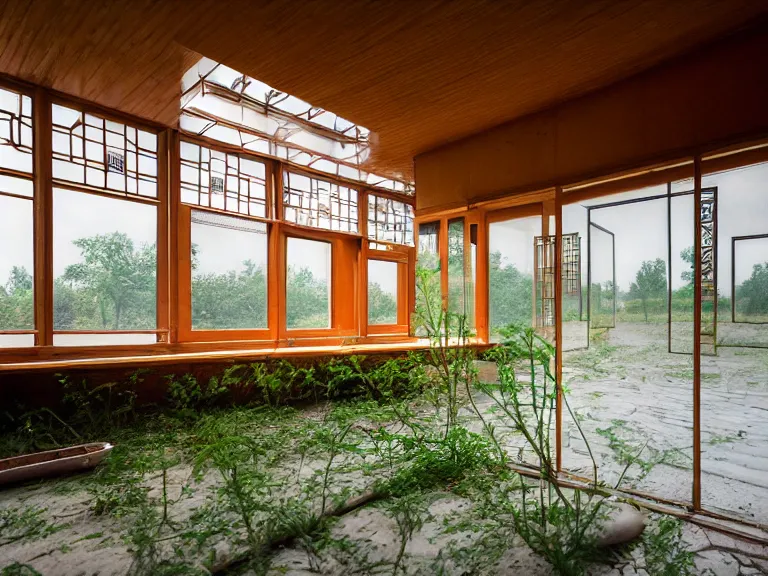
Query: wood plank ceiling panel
{"points": [[419, 74]]}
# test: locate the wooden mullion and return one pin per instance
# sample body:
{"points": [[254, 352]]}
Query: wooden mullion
{"points": [[275, 298], [163, 227], [173, 195], [183, 273], [558, 212], [696, 495], [442, 241], [482, 280], [43, 218]]}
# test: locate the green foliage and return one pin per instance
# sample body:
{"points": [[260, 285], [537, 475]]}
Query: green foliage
{"points": [[24, 524], [666, 553], [232, 300], [650, 283], [17, 569], [114, 285], [186, 395], [307, 300], [752, 294], [510, 293], [382, 307], [440, 462], [558, 526], [17, 301]]}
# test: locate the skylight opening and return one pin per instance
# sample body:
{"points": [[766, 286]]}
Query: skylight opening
{"points": [[225, 105]]}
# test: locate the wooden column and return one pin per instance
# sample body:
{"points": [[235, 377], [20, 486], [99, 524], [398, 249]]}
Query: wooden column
{"points": [[558, 212], [163, 227], [696, 497], [43, 218]]}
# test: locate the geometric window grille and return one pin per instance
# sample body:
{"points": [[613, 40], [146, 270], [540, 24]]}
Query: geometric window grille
{"points": [[15, 131], [390, 220], [229, 182], [544, 282], [708, 268], [571, 275], [97, 152], [312, 202]]}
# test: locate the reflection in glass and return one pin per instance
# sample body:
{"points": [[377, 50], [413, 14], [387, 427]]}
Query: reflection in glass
{"points": [[104, 263], [229, 272], [382, 292], [510, 272], [308, 285]]}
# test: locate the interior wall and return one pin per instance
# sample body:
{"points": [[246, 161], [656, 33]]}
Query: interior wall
{"points": [[711, 97]]}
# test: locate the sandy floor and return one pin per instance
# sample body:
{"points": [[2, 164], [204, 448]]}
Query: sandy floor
{"points": [[627, 395], [631, 397]]}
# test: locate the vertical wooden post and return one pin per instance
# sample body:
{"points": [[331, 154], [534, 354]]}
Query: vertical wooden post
{"points": [[362, 211], [442, 239], [163, 287], [481, 280], [43, 218], [173, 201], [558, 210], [696, 498], [669, 265]]}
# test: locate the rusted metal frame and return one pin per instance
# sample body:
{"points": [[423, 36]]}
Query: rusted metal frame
{"points": [[43, 218], [735, 239], [294, 165], [558, 212], [696, 494]]}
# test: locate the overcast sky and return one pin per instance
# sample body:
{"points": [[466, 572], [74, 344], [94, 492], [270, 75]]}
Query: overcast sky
{"points": [[640, 232]]}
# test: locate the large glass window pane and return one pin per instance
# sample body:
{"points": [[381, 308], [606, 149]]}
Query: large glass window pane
{"points": [[734, 379], [229, 272], [382, 292], [104, 263], [632, 399], [510, 272], [16, 268], [308, 285]]}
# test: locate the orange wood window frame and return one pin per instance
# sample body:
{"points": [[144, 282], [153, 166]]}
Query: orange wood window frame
{"points": [[403, 260], [44, 155]]}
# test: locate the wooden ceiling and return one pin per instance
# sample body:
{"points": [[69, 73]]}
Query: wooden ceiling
{"points": [[418, 73]]}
